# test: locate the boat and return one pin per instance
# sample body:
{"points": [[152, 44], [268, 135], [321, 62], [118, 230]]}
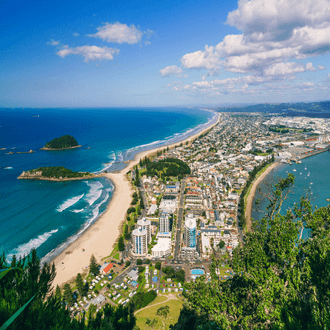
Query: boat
{"points": [[300, 173], [305, 168], [294, 170], [311, 182]]}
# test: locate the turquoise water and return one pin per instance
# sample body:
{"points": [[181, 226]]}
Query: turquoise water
{"points": [[197, 272], [312, 177], [49, 215]]}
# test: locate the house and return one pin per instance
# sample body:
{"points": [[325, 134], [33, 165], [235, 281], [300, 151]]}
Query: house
{"points": [[106, 268]]}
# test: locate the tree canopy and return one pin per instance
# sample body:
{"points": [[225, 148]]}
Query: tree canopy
{"points": [[63, 142], [281, 281], [167, 167]]}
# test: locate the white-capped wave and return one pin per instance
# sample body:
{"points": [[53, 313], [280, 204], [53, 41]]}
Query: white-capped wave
{"points": [[94, 193], [77, 211], [8, 168], [34, 243], [120, 157], [69, 202]]}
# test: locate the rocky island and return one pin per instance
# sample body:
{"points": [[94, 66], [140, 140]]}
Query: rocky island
{"points": [[56, 173], [61, 143]]}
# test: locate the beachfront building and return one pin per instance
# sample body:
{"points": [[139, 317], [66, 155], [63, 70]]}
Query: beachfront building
{"points": [[190, 231], [139, 242], [145, 224], [164, 223], [162, 248]]}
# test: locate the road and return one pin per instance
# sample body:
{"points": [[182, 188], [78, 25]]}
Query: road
{"points": [[179, 222]]}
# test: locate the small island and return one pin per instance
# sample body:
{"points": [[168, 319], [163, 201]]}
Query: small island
{"points": [[61, 143], [56, 173]]}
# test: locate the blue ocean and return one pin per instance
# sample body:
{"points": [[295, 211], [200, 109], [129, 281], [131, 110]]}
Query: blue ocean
{"points": [[312, 178], [50, 215]]}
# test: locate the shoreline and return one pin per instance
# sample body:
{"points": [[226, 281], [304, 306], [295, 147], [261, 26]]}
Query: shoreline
{"points": [[100, 238], [250, 198], [59, 149]]}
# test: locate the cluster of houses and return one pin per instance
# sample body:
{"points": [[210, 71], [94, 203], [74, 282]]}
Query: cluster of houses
{"points": [[220, 164]]}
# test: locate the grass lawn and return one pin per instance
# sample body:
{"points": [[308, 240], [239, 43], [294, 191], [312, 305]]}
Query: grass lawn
{"points": [[175, 307], [116, 256]]}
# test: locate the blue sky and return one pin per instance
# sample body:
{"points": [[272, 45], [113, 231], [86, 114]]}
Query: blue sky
{"points": [[162, 53]]}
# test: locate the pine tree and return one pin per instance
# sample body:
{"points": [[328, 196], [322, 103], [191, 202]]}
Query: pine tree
{"points": [[58, 293], [93, 266], [80, 285], [121, 245], [67, 295]]}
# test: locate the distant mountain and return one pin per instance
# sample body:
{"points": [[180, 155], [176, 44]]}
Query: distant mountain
{"points": [[316, 107]]}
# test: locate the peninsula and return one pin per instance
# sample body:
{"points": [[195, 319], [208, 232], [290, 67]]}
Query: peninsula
{"points": [[56, 173], [62, 143]]}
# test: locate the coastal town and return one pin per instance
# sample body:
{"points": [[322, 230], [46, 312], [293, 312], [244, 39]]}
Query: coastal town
{"points": [[190, 206]]}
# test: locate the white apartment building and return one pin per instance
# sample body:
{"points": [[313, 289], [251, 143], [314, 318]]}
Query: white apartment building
{"points": [[164, 223], [139, 242], [162, 248], [145, 224], [190, 231]]}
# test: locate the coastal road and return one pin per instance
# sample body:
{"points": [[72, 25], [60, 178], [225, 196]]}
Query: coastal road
{"points": [[179, 223]]}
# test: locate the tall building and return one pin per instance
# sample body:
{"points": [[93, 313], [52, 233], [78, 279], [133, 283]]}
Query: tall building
{"points": [[190, 231], [145, 224], [164, 223], [139, 242]]}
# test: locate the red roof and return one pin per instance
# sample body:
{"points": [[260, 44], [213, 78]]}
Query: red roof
{"points": [[107, 269]]}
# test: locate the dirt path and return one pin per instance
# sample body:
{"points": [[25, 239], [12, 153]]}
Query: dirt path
{"points": [[168, 297]]}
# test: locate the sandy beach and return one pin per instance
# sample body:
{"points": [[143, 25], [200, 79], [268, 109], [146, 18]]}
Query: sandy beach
{"points": [[252, 194], [100, 238]]}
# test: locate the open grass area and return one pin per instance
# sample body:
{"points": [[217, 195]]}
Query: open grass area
{"points": [[150, 312], [116, 256]]}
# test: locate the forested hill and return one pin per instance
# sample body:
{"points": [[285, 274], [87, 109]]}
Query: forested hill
{"points": [[55, 173], [63, 142], [317, 107], [167, 167]]}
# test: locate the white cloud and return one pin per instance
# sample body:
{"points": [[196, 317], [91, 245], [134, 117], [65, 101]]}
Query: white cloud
{"points": [[172, 70], [321, 67], [90, 53], [283, 69], [329, 76], [309, 67], [273, 31], [207, 59], [53, 42], [76, 34], [118, 33]]}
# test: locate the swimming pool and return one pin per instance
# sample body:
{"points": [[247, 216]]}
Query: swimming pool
{"points": [[155, 279], [197, 272]]}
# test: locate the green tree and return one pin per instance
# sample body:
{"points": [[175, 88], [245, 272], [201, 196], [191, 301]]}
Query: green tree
{"points": [[221, 244], [158, 265], [151, 323], [121, 244], [128, 263], [80, 285], [126, 232], [163, 313], [58, 293], [139, 262], [93, 266], [67, 295]]}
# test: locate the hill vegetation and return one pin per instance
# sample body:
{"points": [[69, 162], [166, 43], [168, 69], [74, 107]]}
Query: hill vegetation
{"points": [[57, 172], [27, 284], [63, 142], [167, 167], [281, 281]]}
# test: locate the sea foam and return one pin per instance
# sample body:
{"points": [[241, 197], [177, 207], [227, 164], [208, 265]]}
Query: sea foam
{"points": [[34, 243], [69, 202], [94, 193]]}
